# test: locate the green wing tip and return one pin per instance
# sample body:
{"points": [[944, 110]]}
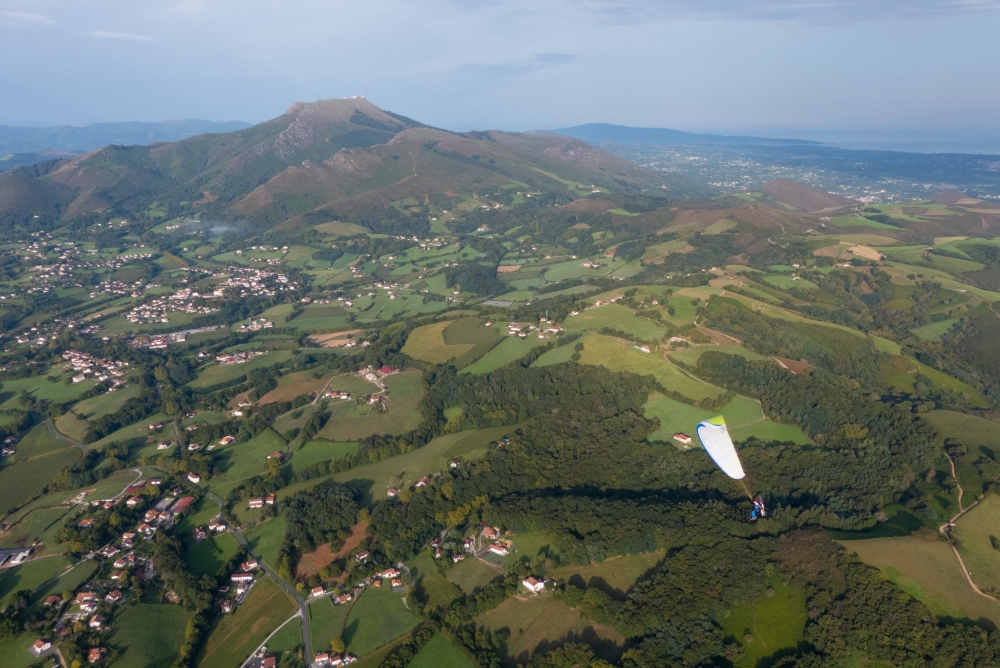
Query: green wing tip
{"points": [[717, 420]]}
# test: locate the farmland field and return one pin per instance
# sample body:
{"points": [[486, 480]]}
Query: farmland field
{"points": [[70, 579], [35, 443], [351, 421], [320, 451], [471, 574], [928, 571], [510, 349], [30, 575], [265, 539], [975, 432], [242, 460], [72, 425], [151, 635], [440, 653], [326, 622], [775, 622], [376, 617], [39, 524], [234, 637], [692, 354], [20, 482], [293, 385], [404, 470], [537, 620], [935, 330], [461, 339], [900, 372], [39, 387], [618, 572], [743, 417], [617, 317], [217, 373], [106, 403], [976, 532], [439, 590], [289, 637], [16, 652], [207, 556], [619, 355]]}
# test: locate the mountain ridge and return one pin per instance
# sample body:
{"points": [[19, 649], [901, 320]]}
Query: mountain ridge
{"points": [[327, 159]]}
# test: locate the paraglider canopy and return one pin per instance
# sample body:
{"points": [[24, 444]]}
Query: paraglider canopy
{"points": [[719, 445]]}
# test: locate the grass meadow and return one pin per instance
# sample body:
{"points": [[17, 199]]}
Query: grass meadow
{"points": [[30, 575], [743, 417], [928, 571], [440, 653], [976, 531], [377, 617], [150, 635], [617, 317], [536, 620], [351, 421], [326, 622], [775, 623], [471, 574], [265, 539], [20, 482], [620, 573], [232, 639], [510, 349], [207, 556]]}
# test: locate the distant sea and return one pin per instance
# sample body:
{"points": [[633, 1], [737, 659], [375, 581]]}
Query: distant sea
{"points": [[910, 141]]}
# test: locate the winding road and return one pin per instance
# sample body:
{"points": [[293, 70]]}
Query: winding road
{"points": [[945, 530], [289, 589]]}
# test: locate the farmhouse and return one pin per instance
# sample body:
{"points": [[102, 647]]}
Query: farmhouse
{"points": [[269, 499], [114, 596], [250, 565], [257, 502], [316, 592], [499, 548], [216, 526], [95, 654], [392, 492], [226, 605], [41, 645], [423, 482], [53, 600], [241, 576], [226, 440], [96, 622], [533, 584], [682, 438], [361, 556], [194, 477]]}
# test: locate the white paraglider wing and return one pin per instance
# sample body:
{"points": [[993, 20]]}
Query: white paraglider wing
{"points": [[715, 437]]}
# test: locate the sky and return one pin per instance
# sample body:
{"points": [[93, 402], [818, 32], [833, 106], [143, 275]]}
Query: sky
{"points": [[700, 65]]}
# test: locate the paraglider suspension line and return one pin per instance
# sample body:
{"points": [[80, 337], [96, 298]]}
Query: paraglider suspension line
{"points": [[746, 488]]}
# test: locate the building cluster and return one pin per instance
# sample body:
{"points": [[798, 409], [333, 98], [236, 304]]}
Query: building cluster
{"points": [[249, 281], [159, 308], [256, 325], [238, 357], [102, 369]]}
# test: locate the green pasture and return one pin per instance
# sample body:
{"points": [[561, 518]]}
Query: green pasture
{"points": [[36, 443], [620, 573], [692, 354], [265, 539], [788, 282], [288, 637], [376, 618], [320, 451], [928, 571], [326, 622], [572, 269], [857, 221], [976, 532], [900, 372], [404, 470], [616, 317], [510, 349], [106, 403], [772, 624], [619, 355], [39, 524], [207, 556], [935, 330], [150, 635], [440, 653], [243, 460], [438, 591], [20, 482], [40, 387], [471, 574], [351, 421], [31, 575], [743, 417], [16, 651], [235, 636], [217, 373]]}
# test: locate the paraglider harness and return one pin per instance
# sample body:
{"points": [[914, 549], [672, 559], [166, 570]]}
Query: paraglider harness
{"points": [[758, 509]]}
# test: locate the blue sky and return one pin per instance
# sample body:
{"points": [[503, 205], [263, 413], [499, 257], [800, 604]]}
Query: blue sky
{"points": [[510, 64]]}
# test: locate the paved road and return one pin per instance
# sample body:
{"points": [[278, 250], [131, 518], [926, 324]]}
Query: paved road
{"points": [[303, 611], [55, 434]]}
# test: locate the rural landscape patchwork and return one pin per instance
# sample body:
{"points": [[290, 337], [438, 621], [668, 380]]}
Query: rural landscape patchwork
{"points": [[345, 388]]}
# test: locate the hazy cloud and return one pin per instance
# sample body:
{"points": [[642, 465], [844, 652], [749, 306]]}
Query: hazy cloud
{"points": [[540, 61], [806, 11], [104, 34], [24, 19]]}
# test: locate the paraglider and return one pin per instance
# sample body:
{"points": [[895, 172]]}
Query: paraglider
{"points": [[714, 436]]}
